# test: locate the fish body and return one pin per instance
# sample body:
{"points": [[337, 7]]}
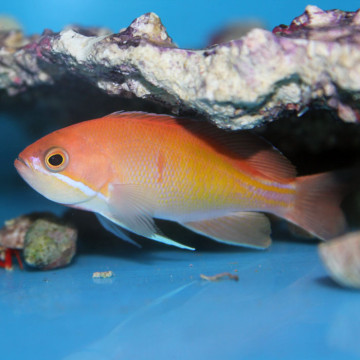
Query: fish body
{"points": [[130, 168]]}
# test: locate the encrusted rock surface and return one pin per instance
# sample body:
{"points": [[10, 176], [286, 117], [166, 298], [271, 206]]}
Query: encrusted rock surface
{"points": [[48, 242], [12, 234], [314, 62]]}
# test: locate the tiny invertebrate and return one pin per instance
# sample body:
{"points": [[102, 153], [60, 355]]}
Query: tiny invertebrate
{"points": [[12, 239], [6, 255]]}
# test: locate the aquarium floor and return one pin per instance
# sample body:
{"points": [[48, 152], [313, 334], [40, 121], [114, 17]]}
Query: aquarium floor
{"points": [[157, 306]]}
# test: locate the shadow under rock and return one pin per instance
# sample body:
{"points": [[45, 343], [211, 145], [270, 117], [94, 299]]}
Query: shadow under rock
{"points": [[327, 282], [46, 108]]}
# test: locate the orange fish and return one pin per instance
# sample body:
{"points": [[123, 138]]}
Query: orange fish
{"points": [[130, 168]]}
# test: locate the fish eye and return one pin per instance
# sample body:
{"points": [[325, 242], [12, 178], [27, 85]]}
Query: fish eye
{"points": [[56, 159]]}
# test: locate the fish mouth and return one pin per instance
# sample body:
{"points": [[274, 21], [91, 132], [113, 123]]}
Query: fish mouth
{"points": [[20, 163]]}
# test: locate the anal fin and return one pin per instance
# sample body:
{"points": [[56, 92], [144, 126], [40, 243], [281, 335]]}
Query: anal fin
{"points": [[115, 229], [118, 230], [130, 207], [250, 229]]}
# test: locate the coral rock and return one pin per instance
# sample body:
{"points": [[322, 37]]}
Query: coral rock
{"points": [[49, 244], [341, 257], [12, 235], [238, 84]]}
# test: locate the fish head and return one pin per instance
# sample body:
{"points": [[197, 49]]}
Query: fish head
{"points": [[65, 166]]}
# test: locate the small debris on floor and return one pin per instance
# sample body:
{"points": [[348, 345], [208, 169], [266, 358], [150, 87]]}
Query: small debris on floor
{"points": [[102, 274]]}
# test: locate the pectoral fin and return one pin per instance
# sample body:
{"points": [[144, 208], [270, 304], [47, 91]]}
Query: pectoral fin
{"points": [[130, 207], [248, 229]]}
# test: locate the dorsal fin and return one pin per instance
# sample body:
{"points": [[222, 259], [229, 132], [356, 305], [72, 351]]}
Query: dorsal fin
{"points": [[263, 157], [241, 146], [139, 115]]}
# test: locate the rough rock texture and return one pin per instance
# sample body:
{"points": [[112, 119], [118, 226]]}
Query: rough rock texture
{"points": [[49, 245], [12, 234], [47, 241], [341, 257], [314, 62]]}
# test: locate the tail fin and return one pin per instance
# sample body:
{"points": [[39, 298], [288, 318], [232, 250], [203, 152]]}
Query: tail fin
{"points": [[317, 202]]}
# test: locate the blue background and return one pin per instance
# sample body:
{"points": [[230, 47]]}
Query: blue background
{"points": [[156, 306]]}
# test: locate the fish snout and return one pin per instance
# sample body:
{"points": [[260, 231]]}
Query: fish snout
{"points": [[20, 163]]}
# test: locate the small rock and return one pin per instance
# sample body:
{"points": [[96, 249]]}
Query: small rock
{"points": [[341, 257], [49, 244], [12, 235]]}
